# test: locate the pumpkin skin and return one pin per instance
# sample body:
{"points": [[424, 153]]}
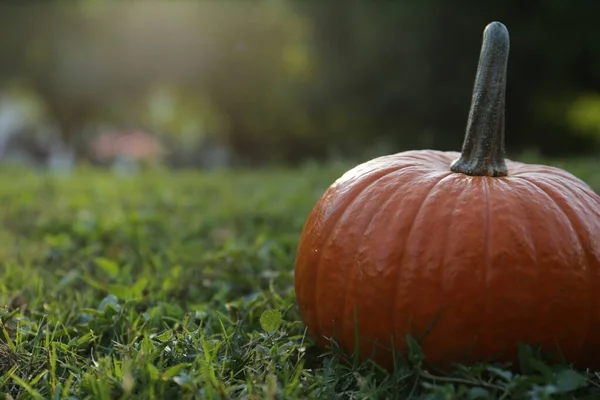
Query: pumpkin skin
{"points": [[487, 252]]}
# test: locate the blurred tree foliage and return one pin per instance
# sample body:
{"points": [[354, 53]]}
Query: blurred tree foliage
{"points": [[416, 74], [283, 81]]}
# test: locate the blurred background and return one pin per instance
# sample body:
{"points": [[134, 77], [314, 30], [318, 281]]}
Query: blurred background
{"points": [[214, 84]]}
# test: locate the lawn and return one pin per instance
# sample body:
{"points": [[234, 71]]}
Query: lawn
{"points": [[168, 285]]}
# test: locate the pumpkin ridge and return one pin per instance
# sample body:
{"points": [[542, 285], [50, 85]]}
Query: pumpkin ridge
{"points": [[539, 189], [577, 183], [548, 194], [464, 192], [588, 267], [520, 211], [590, 198], [326, 243], [436, 157], [586, 192], [351, 275], [401, 268], [488, 259], [536, 320]]}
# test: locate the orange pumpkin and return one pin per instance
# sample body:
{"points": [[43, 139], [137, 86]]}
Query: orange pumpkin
{"points": [[485, 251]]}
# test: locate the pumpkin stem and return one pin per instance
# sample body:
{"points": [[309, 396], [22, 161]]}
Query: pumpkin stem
{"points": [[483, 149]]}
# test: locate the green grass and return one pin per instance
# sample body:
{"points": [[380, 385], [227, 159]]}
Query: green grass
{"points": [[180, 285]]}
